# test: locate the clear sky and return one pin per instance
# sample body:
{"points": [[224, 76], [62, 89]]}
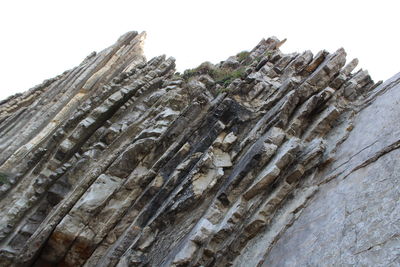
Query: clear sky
{"points": [[40, 39]]}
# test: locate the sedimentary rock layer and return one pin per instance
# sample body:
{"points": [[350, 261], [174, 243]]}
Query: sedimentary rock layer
{"points": [[265, 159]]}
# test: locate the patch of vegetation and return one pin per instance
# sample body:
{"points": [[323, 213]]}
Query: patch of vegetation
{"points": [[222, 76], [3, 178], [242, 55], [187, 74], [266, 54], [203, 68]]}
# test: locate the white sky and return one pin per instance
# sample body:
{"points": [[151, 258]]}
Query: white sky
{"points": [[41, 39]]}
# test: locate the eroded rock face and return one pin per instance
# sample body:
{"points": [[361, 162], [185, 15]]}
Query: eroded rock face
{"points": [[266, 159]]}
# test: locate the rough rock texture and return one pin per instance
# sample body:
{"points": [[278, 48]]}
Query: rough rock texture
{"points": [[266, 159]]}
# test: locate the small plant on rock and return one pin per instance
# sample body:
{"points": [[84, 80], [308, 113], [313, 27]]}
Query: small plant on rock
{"points": [[242, 56]]}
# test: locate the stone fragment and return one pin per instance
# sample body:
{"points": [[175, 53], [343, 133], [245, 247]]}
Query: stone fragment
{"points": [[266, 178]]}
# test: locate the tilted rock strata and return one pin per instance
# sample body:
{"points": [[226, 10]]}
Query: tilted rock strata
{"points": [[122, 162]]}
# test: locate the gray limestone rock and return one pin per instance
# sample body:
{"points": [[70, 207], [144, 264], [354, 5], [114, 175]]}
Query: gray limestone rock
{"points": [[276, 160]]}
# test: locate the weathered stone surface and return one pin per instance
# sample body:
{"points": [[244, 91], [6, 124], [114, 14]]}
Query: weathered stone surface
{"points": [[267, 159]]}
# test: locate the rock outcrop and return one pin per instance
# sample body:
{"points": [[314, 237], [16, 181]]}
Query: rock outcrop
{"points": [[266, 159]]}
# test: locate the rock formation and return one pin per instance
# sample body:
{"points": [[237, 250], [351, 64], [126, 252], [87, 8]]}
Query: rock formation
{"points": [[265, 159]]}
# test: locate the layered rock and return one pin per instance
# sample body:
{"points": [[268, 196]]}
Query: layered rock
{"points": [[266, 159]]}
